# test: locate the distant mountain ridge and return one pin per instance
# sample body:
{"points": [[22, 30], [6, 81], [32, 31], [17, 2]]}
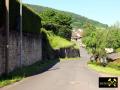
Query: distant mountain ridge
{"points": [[78, 20]]}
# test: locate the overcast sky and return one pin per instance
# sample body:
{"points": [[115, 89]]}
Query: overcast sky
{"points": [[105, 11]]}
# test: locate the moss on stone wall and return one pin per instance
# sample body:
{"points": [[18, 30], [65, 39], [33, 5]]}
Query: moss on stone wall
{"points": [[31, 21]]}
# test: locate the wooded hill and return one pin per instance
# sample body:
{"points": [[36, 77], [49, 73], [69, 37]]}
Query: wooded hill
{"points": [[78, 21]]}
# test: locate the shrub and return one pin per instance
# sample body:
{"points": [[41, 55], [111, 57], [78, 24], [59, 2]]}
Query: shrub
{"points": [[117, 50], [55, 41], [57, 22]]}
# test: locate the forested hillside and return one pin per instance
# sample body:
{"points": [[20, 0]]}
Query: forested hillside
{"points": [[78, 21]]}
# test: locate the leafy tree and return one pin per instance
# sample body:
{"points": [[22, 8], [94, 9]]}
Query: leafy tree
{"points": [[113, 38], [48, 19], [63, 19], [98, 39], [65, 31], [58, 22], [88, 29]]}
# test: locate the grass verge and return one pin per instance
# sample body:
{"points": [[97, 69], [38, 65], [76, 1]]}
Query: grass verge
{"points": [[109, 69], [76, 45], [57, 42], [19, 74], [65, 59]]}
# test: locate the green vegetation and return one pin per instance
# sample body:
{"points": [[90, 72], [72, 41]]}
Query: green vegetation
{"points": [[56, 32], [98, 39], [111, 68], [19, 74], [115, 64], [94, 40], [113, 38], [76, 44], [78, 21], [57, 42], [117, 50], [51, 42], [57, 22]]}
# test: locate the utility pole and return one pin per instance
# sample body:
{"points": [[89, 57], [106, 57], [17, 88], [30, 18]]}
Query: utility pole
{"points": [[21, 36], [7, 37]]}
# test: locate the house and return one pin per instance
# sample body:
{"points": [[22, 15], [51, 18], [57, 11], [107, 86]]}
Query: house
{"points": [[77, 34]]}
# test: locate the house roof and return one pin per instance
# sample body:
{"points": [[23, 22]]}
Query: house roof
{"points": [[77, 33]]}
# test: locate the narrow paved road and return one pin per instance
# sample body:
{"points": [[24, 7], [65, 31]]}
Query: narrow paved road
{"points": [[66, 75]]}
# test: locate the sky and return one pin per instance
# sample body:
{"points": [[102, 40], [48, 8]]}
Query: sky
{"points": [[104, 11]]}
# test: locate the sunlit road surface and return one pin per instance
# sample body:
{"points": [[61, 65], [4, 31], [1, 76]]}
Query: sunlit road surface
{"points": [[66, 75]]}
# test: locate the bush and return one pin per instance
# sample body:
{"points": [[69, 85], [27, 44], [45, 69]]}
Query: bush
{"points": [[115, 64], [55, 41], [117, 50], [47, 50], [57, 22]]}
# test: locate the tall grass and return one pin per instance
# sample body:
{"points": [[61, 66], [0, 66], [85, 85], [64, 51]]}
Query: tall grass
{"points": [[112, 68], [57, 42]]}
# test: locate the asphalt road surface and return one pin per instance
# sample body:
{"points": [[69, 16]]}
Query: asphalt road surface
{"points": [[66, 75]]}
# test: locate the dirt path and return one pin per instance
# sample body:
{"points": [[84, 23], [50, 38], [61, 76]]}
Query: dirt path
{"points": [[66, 75]]}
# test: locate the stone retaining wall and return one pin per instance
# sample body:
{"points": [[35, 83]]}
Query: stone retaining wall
{"points": [[32, 50], [2, 52], [68, 52]]}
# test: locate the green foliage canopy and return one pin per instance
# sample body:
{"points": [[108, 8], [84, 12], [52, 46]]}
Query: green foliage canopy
{"points": [[98, 39], [58, 22]]}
